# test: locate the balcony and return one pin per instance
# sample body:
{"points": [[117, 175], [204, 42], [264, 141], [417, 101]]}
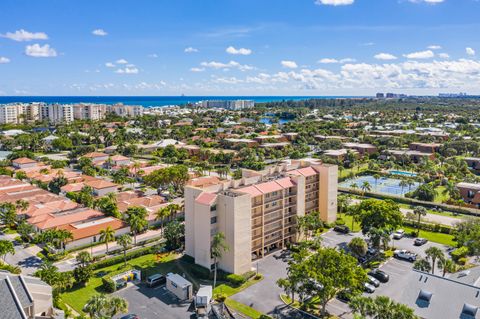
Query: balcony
{"points": [[273, 208], [273, 219], [273, 240], [272, 198]]}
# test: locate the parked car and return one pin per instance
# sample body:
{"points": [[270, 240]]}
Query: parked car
{"points": [[379, 274], [345, 296], [341, 229], [156, 280], [420, 241], [130, 316], [405, 254], [373, 281], [372, 251], [399, 234], [368, 288], [119, 284]]}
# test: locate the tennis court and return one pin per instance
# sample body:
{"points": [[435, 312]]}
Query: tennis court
{"points": [[385, 185]]}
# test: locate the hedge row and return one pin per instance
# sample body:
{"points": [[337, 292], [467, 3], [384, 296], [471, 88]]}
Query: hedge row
{"points": [[412, 201], [119, 259], [436, 228]]}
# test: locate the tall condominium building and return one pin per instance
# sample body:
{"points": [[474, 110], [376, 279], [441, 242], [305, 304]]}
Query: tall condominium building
{"points": [[258, 213], [31, 111], [10, 113], [229, 104], [88, 111], [57, 113], [126, 110]]}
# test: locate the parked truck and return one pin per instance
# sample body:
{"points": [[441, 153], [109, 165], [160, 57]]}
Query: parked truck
{"points": [[202, 301]]}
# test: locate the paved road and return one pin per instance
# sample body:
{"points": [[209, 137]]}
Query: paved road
{"points": [[26, 258]]}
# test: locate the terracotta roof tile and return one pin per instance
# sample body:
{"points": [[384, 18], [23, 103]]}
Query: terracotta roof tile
{"points": [[205, 198]]}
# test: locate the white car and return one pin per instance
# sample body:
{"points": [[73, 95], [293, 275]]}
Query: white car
{"points": [[405, 254], [399, 234]]}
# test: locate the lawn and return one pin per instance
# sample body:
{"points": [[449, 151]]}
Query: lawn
{"points": [[439, 238], [440, 197], [348, 222], [355, 170]]}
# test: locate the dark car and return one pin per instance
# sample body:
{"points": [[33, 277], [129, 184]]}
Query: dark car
{"points": [[130, 316], [345, 296], [420, 241], [341, 229], [379, 274]]}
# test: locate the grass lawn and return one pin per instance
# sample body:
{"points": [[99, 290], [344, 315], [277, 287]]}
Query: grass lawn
{"points": [[439, 238], [357, 169], [348, 222], [440, 197]]}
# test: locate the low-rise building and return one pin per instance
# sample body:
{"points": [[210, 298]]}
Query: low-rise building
{"points": [[470, 193], [361, 148], [24, 162], [425, 147]]}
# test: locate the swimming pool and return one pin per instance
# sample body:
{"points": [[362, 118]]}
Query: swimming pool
{"points": [[403, 173], [383, 185]]}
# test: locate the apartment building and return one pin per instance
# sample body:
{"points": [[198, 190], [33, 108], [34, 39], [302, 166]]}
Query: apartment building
{"points": [[57, 113], [229, 104], [126, 110], [88, 111], [10, 113], [257, 213]]}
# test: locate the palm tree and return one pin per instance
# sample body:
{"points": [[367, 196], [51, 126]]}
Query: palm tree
{"points": [[22, 205], [137, 224], [403, 183], [366, 187], [376, 177], [63, 236], [84, 258], [434, 253], [124, 240], [217, 248], [419, 211], [174, 208], [116, 305], [447, 265], [95, 306], [107, 235], [161, 214]]}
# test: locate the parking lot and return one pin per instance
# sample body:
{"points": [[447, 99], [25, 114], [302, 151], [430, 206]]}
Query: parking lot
{"points": [[154, 303]]}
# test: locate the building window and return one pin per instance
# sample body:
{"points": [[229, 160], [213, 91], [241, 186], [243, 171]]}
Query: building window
{"points": [[213, 207], [213, 220]]}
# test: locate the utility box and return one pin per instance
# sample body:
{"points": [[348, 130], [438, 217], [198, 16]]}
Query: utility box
{"points": [[179, 286], [202, 301]]}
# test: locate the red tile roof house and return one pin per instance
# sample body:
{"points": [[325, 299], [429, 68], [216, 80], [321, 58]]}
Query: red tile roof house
{"points": [[24, 162], [120, 160], [84, 223], [97, 157], [425, 147], [100, 187]]}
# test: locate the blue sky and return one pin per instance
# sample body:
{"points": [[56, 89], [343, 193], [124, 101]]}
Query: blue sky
{"points": [[239, 47]]}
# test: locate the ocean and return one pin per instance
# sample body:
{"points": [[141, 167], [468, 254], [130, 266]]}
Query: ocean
{"points": [[150, 101]]}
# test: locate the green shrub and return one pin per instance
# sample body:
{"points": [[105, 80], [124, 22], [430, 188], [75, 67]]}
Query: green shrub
{"points": [[236, 280], [108, 284], [459, 253], [462, 261], [220, 297], [119, 259], [13, 269], [264, 317], [249, 274]]}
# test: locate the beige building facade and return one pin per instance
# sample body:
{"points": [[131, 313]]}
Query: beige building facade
{"points": [[257, 213]]}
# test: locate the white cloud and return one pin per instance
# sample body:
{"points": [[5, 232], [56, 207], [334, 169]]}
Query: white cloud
{"points": [[444, 55], [38, 51], [22, 35], [420, 55], [127, 70], [334, 2], [333, 61], [426, 1], [289, 64], [197, 69], [434, 47], [241, 51], [99, 32], [4, 60], [153, 55], [109, 65], [385, 56], [190, 50], [121, 61], [227, 66], [470, 51]]}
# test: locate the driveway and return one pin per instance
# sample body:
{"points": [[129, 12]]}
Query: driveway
{"points": [[154, 303], [25, 258]]}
